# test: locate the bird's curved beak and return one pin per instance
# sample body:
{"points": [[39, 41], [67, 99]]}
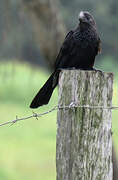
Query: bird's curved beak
{"points": [[82, 17]]}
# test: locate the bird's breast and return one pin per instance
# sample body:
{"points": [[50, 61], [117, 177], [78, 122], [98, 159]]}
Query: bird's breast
{"points": [[84, 39]]}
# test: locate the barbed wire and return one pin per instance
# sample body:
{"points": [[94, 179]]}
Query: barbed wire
{"points": [[34, 115], [70, 106]]}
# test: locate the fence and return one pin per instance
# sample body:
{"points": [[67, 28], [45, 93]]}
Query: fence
{"points": [[84, 135]]}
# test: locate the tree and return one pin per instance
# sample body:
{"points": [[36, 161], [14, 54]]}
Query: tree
{"points": [[48, 25]]}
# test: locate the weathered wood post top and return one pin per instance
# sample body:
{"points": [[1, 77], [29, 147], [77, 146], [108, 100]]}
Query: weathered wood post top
{"points": [[84, 140]]}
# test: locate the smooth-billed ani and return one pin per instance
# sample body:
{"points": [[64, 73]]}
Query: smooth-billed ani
{"points": [[77, 51]]}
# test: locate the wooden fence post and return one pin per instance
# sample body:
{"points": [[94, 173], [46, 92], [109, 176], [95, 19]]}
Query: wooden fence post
{"points": [[84, 136]]}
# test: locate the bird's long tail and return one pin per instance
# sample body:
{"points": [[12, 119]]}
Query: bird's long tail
{"points": [[44, 94]]}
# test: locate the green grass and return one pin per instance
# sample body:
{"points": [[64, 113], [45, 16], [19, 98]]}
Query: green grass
{"points": [[28, 148], [115, 115]]}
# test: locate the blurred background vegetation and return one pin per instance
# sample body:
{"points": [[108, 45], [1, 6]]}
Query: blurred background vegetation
{"points": [[31, 32]]}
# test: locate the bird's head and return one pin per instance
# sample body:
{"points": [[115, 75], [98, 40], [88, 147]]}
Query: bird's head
{"points": [[85, 18]]}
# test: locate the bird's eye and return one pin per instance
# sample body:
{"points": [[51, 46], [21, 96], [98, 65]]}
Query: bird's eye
{"points": [[87, 17]]}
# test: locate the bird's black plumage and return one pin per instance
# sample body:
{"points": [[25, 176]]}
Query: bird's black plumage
{"points": [[77, 51]]}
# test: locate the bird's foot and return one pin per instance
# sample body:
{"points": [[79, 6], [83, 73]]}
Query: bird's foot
{"points": [[94, 69], [72, 68], [84, 69]]}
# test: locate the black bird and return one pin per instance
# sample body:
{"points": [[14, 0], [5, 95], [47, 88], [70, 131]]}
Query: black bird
{"points": [[77, 51]]}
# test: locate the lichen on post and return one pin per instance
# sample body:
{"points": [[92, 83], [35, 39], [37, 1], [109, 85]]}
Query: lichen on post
{"points": [[84, 136]]}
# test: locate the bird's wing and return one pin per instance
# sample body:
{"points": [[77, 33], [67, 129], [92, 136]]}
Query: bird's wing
{"points": [[64, 49], [98, 48]]}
